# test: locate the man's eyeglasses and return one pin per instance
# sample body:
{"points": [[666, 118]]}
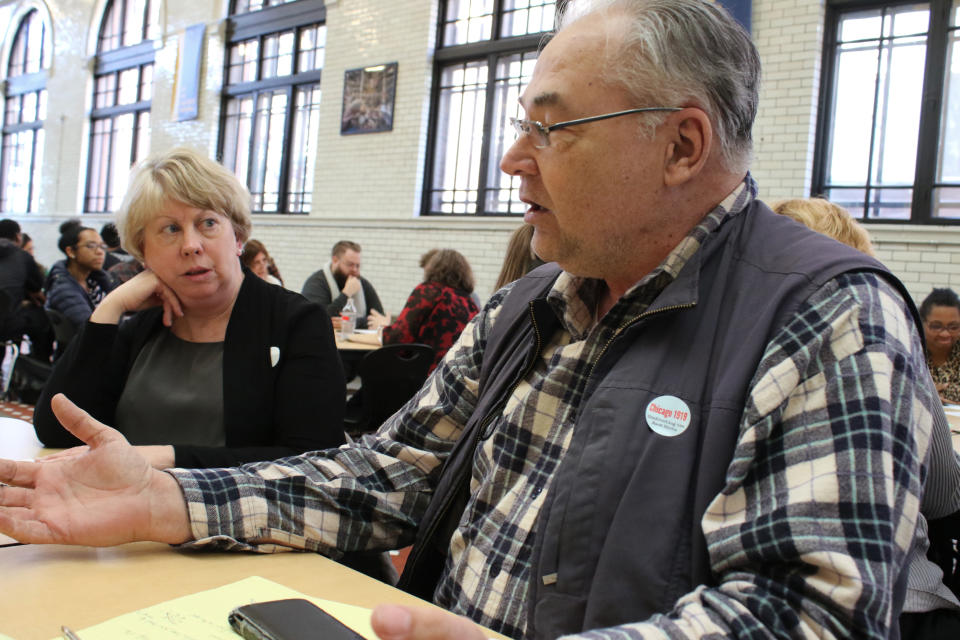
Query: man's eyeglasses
{"points": [[541, 132], [93, 246], [936, 327]]}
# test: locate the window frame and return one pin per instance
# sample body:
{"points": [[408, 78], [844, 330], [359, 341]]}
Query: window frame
{"points": [[261, 24], [17, 87], [931, 107], [113, 61], [489, 51]]}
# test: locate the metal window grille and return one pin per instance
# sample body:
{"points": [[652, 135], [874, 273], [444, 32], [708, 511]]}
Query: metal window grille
{"points": [[486, 56]]}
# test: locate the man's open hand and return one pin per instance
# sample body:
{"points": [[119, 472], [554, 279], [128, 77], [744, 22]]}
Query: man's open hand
{"points": [[105, 496]]}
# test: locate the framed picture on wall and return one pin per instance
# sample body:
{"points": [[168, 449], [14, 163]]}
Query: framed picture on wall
{"points": [[368, 95]]}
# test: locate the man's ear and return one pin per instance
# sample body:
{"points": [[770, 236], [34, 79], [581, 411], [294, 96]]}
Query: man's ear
{"points": [[689, 146]]}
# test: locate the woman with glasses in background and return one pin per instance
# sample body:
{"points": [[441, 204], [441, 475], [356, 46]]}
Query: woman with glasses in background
{"points": [[941, 324], [76, 285]]}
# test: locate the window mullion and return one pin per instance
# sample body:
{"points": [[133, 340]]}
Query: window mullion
{"points": [[931, 108], [497, 26], [31, 165], [252, 143], [283, 189], [826, 99], [108, 168], [868, 187], [488, 130]]}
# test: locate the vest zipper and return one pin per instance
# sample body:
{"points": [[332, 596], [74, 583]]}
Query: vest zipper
{"points": [[550, 579], [442, 512], [516, 383], [623, 327]]}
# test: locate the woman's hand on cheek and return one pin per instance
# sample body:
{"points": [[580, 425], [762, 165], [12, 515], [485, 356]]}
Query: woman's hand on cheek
{"points": [[143, 291]]}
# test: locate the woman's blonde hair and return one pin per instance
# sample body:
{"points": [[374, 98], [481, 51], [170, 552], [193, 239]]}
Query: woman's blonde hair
{"points": [[185, 176], [827, 218]]}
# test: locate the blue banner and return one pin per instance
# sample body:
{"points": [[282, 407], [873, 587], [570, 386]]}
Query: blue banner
{"points": [[188, 73], [739, 9]]}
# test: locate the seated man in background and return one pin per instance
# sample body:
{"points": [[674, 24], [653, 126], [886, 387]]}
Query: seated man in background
{"points": [[21, 279], [703, 421], [342, 275]]}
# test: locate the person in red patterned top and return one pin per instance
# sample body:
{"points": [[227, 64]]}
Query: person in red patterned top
{"points": [[438, 308]]}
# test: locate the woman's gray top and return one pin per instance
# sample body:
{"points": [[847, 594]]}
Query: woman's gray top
{"points": [[174, 394]]}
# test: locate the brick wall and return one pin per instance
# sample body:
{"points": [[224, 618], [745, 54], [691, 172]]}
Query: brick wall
{"points": [[368, 187]]}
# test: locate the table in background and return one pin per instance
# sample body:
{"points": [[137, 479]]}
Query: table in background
{"points": [[351, 353], [350, 345], [18, 440], [954, 421]]}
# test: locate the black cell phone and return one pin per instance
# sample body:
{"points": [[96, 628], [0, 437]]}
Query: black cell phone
{"points": [[290, 619]]}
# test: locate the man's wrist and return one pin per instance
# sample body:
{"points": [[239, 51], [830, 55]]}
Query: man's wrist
{"points": [[169, 517]]}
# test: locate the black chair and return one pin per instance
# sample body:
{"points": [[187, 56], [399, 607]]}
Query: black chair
{"points": [[389, 377], [63, 331], [945, 549]]}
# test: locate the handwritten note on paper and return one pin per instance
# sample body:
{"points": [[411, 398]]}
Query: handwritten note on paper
{"points": [[203, 615]]}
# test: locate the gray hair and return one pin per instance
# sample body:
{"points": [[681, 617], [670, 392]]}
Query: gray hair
{"points": [[678, 52], [185, 176]]}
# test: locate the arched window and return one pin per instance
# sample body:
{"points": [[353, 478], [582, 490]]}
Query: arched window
{"points": [[123, 89], [271, 98], [25, 107], [484, 59]]}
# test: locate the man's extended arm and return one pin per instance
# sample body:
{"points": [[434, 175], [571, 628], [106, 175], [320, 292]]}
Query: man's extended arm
{"points": [[109, 495], [368, 495]]}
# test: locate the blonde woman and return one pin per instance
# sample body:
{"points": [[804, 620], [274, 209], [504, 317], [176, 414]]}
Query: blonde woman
{"points": [[215, 367]]}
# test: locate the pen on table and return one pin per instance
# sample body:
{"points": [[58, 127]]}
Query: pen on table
{"points": [[68, 634]]}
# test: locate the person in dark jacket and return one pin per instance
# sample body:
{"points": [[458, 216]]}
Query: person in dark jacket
{"points": [[115, 253], [699, 420], [215, 367], [76, 285], [21, 280]]}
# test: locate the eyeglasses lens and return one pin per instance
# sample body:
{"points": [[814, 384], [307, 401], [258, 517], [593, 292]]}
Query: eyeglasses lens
{"points": [[936, 327]]}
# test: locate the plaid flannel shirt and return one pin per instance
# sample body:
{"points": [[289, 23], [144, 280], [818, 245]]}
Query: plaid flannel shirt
{"points": [[798, 547]]}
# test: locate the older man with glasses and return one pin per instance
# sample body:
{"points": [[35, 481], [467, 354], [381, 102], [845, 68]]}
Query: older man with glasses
{"points": [[703, 420]]}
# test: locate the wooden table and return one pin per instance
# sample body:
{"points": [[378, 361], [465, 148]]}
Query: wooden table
{"points": [[45, 586]]}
